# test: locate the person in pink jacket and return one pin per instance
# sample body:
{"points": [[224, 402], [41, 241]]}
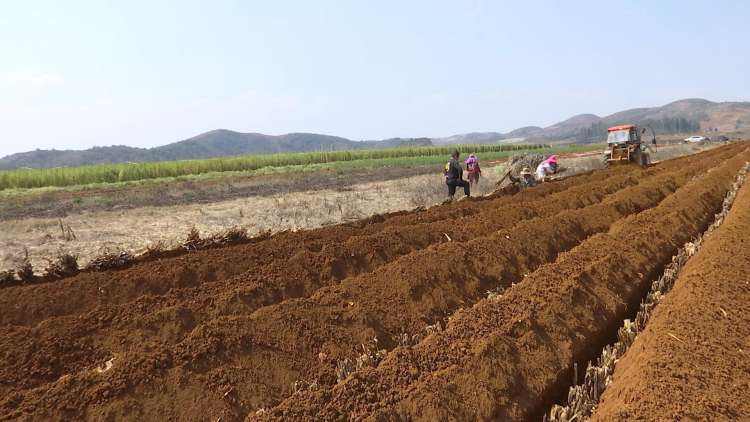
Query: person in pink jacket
{"points": [[552, 160], [473, 170]]}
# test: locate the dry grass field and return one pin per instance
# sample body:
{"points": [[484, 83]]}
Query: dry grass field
{"points": [[90, 233]]}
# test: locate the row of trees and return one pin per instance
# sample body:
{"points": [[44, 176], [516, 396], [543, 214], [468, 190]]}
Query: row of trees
{"points": [[666, 125]]}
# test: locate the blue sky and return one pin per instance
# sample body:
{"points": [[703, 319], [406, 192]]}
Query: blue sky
{"points": [[80, 73]]}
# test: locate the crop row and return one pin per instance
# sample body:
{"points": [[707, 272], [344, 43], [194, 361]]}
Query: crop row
{"points": [[291, 251], [113, 173], [695, 337], [507, 356], [190, 340]]}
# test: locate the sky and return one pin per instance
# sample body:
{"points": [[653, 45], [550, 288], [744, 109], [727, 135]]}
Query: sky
{"points": [[76, 74]]}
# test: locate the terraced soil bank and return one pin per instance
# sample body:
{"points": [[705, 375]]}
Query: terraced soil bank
{"points": [[475, 310]]}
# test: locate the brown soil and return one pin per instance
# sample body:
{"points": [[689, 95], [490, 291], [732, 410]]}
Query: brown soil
{"points": [[692, 362], [506, 358], [283, 261], [227, 331]]}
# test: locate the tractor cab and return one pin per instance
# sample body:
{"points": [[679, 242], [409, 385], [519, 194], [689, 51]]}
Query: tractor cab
{"points": [[624, 145], [624, 134]]}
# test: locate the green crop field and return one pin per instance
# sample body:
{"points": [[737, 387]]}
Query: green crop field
{"points": [[117, 173]]}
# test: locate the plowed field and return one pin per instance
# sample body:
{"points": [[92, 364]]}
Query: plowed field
{"points": [[386, 318], [693, 360]]}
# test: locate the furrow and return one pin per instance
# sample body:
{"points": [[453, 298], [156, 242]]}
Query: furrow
{"points": [[303, 339], [288, 265], [30, 304], [697, 335], [227, 352], [507, 357]]}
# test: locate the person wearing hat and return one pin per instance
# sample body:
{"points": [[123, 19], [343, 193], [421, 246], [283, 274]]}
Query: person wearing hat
{"points": [[543, 170], [524, 180], [527, 178], [552, 160]]}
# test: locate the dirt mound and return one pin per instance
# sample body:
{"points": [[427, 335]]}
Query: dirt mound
{"points": [[506, 357], [680, 342], [324, 254], [229, 331]]}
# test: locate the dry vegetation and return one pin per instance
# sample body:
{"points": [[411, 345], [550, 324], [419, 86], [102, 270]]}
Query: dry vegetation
{"points": [[144, 230], [101, 233]]}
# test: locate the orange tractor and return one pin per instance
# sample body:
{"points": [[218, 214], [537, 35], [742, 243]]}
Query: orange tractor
{"points": [[624, 145]]}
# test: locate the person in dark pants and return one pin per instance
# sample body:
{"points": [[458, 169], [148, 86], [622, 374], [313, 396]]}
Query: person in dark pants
{"points": [[454, 174]]}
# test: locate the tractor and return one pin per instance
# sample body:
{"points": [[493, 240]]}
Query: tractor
{"points": [[624, 145]]}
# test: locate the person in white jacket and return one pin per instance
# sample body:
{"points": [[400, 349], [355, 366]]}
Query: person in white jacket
{"points": [[542, 170], [546, 168]]}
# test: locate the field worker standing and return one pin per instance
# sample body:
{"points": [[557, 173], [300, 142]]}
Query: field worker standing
{"points": [[472, 169], [454, 176]]}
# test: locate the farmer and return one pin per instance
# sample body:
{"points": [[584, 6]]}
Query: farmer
{"points": [[546, 168], [524, 180], [527, 178], [454, 176], [552, 160], [472, 169]]}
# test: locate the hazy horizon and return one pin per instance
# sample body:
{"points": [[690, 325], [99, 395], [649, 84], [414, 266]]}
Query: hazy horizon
{"points": [[85, 74]]}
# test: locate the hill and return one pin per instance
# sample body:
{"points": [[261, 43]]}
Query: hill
{"points": [[216, 143], [683, 116], [471, 138], [220, 143], [688, 115]]}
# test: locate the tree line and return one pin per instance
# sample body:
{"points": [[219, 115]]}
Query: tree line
{"points": [[667, 125]]}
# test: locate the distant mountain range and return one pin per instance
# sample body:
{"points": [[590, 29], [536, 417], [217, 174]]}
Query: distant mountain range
{"points": [[216, 143], [677, 117], [693, 114]]}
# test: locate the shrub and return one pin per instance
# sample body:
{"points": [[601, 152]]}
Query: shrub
{"points": [[7, 277], [109, 260], [25, 271], [64, 266]]}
